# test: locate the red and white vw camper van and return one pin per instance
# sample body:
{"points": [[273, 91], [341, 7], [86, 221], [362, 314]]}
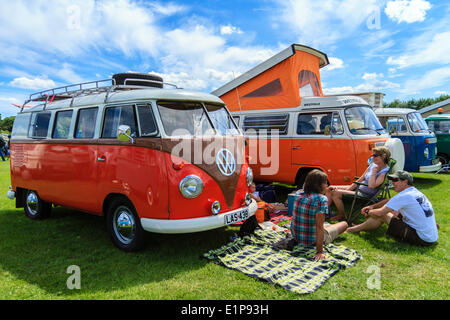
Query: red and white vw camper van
{"points": [[147, 157]]}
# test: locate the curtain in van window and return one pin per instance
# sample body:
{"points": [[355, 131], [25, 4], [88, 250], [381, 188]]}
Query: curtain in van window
{"points": [[86, 123], [62, 124]]}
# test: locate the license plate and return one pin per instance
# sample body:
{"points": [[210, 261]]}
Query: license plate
{"points": [[234, 217]]}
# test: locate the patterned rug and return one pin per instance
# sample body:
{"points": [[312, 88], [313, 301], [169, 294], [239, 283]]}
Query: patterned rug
{"points": [[293, 270]]}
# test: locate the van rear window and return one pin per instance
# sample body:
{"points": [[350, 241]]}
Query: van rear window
{"points": [[20, 127], [39, 125]]}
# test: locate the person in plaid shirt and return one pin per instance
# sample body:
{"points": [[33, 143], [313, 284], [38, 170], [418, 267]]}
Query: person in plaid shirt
{"points": [[307, 226]]}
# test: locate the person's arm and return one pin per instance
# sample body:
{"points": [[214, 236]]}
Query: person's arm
{"points": [[320, 219], [374, 206], [379, 212], [375, 181]]}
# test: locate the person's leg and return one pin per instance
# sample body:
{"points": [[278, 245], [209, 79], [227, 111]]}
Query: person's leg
{"points": [[371, 223], [332, 231], [336, 195]]}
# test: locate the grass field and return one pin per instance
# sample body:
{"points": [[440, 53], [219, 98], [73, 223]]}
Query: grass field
{"points": [[35, 255]]}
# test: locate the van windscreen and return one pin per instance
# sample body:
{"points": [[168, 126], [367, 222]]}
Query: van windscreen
{"points": [[362, 120], [181, 118], [221, 119]]}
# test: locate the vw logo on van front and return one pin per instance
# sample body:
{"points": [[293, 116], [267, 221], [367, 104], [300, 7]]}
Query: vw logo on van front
{"points": [[225, 162]]}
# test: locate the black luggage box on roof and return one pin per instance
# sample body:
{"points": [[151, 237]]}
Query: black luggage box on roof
{"points": [[139, 79]]}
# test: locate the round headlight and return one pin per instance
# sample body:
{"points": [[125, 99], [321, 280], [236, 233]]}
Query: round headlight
{"points": [[426, 153], [249, 176], [248, 199], [215, 207], [191, 186]]}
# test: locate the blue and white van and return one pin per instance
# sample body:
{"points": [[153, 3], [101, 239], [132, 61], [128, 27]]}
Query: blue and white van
{"points": [[419, 141]]}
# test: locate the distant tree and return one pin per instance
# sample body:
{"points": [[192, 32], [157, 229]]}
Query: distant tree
{"points": [[7, 124], [415, 104]]}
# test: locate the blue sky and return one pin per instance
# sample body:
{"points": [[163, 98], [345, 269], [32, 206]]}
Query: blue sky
{"points": [[400, 48]]}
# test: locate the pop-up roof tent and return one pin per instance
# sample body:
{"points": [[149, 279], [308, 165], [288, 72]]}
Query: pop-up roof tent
{"points": [[279, 82]]}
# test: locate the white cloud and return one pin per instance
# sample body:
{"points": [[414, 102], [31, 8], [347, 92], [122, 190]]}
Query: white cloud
{"points": [[321, 23], [408, 11], [432, 79], [167, 9], [424, 51], [372, 76], [441, 92], [335, 63], [81, 29], [35, 83], [229, 29], [372, 82]]}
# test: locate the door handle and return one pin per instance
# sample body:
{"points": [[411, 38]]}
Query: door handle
{"points": [[296, 148], [101, 159]]}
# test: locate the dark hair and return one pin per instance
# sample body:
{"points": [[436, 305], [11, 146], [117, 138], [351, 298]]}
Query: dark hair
{"points": [[314, 181]]}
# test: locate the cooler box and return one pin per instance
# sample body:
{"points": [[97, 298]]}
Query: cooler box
{"points": [[291, 197]]}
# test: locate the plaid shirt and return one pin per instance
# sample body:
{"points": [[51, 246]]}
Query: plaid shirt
{"points": [[306, 207]]}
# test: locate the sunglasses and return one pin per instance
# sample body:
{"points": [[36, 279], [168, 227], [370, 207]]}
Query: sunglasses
{"points": [[376, 155], [394, 179]]}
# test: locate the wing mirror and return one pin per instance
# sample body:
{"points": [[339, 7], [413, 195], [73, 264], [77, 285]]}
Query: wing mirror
{"points": [[124, 133]]}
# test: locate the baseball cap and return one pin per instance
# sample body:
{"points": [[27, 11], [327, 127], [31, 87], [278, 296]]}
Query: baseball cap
{"points": [[402, 175]]}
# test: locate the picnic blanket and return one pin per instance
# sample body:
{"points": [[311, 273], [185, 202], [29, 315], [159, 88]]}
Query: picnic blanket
{"points": [[294, 270]]}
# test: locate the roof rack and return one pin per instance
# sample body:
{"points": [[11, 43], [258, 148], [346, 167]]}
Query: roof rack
{"points": [[92, 87]]}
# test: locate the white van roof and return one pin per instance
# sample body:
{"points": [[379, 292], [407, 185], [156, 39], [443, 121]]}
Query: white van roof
{"points": [[313, 103], [393, 111], [129, 95]]}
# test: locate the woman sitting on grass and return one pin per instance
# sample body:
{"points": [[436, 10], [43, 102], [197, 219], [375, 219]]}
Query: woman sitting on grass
{"points": [[373, 177], [307, 226]]}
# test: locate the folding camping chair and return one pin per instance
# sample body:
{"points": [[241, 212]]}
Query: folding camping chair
{"points": [[382, 193]]}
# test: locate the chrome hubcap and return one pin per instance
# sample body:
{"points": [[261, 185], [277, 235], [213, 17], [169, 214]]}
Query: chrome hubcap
{"points": [[124, 225], [32, 203]]}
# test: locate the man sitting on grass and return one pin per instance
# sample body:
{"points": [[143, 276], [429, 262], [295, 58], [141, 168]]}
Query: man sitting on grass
{"points": [[409, 214]]}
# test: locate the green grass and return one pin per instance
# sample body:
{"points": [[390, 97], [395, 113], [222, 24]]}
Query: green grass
{"points": [[34, 257]]}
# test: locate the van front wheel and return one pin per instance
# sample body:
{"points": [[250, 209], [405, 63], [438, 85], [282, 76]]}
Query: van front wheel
{"points": [[35, 207], [124, 226]]}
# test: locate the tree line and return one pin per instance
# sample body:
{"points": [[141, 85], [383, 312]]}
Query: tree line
{"points": [[7, 124], [415, 104]]}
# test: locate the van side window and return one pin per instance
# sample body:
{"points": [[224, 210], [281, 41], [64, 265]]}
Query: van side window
{"points": [[85, 126], [39, 125], [62, 124], [278, 122], [319, 123], [20, 127], [117, 116], [147, 120]]}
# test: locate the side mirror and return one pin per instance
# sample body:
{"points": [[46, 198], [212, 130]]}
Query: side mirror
{"points": [[124, 133]]}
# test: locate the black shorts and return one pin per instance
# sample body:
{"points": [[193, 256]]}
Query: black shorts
{"points": [[403, 232]]}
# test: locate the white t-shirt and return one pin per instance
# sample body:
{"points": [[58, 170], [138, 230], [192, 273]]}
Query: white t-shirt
{"points": [[417, 212]]}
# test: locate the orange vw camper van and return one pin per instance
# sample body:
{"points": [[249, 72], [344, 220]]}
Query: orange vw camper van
{"points": [[292, 128], [147, 157]]}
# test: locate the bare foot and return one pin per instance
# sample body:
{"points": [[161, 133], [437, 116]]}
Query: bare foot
{"points": [[352, 229]]}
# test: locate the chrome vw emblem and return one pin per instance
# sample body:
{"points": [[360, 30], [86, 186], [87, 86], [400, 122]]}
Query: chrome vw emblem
{"points": [[225, 162]]}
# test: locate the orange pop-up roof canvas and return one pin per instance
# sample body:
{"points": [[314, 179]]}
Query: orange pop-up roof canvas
{"points": [[279, 82]]}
